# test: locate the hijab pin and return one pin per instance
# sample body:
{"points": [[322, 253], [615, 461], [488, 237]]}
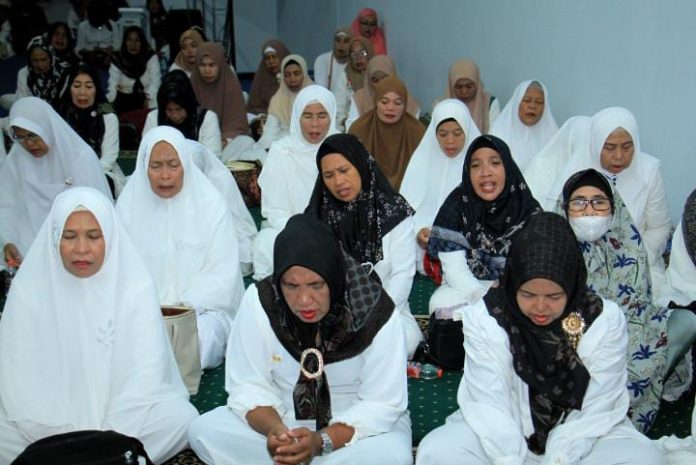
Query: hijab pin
{"points": [[573, 326], [68, 181], [320, 360]]}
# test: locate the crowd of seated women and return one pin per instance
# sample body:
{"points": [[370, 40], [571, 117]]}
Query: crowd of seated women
{"points": [[548, 243]]}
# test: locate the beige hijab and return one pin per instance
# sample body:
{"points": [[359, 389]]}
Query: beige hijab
{"points": [[479, 105], [365, 97], [391, 144], [356, 79], [281, 102], [180, 61]]}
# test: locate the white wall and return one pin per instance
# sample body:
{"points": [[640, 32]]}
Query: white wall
{"points": [[590, 54]]}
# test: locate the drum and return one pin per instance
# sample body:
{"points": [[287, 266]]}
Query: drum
{"points": [[246, 174], [182, 329]]}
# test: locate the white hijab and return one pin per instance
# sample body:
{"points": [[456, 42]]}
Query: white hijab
{"points": [[224, 182], [187, 240], [28, 184], [431, 175], [292, 159], [84, 353], [632, 183], [524, 141], [557, 161]]}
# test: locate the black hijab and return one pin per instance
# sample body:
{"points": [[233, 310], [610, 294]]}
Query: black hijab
{"points": [[485, 229], [134, 66], [359, 308], [176, 87], [588, 177], [87, 122], [361, 224], [543, 356]]}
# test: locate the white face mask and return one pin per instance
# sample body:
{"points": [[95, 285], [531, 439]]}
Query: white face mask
{"points": [[590, 228]]}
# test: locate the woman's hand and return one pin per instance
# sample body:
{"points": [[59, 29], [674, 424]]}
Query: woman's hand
{"points": [[423, 237], [304, 445], [12, 256]]}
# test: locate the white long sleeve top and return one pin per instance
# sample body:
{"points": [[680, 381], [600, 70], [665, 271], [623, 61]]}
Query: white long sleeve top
{"points": [[119, 82]]}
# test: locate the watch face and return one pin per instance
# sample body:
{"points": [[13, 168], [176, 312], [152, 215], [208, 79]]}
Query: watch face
{"points": [[326, 443]]}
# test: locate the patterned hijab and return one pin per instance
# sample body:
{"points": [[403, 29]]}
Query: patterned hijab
{"points": [[543, 356], [485, 229], [361, 224], [48, 86], [359, 308], [689, 226]]}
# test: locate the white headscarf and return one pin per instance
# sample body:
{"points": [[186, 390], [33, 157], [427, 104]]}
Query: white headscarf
{"points": [[431, 175], [224, 182], [84, 353], [187, 240], [557, 161], [524, 141], [292, 159], [28, 184]]}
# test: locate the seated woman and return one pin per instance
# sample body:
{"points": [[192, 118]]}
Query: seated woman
{"points": [[158, 23], [618, 270], [558, 160], [526, 122], [265, 83], [465, 84], [189, 41], [59, 37], [99, 356], [134, 77], [182, 228], [48, 157], [290, 171], [471, 237], [436, 166], [293, 69], [366, 25], [545, 371], [86, 110], [98, 36], [363, 99], [43, 76], [353, 78], [315, 367], [388, 131], [217, 89], [370, 219], [178, 107]]}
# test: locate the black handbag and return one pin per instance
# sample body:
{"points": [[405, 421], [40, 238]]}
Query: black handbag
{"points": [[87, 447], [444, 344]]}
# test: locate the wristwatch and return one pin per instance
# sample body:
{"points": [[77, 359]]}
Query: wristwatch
{"points": [[327, 445]]}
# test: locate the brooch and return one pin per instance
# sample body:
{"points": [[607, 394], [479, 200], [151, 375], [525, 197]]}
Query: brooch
{"points": [[573, 326], [320, 360]]}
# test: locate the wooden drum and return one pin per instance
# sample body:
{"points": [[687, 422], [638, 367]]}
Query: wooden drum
{"points": [[246, 174]]}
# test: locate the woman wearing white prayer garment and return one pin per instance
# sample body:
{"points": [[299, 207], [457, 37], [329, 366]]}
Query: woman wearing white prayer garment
{"points": [[290, 171], [526, 122], [82, 341], [436, 166], [315, 366], [183, 229], [557, 161], [545, 373], [48, 157]]}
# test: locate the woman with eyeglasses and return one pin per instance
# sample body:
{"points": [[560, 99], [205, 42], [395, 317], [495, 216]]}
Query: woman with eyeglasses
{"points": [[366, 25], [47, 158], [617, 264]]}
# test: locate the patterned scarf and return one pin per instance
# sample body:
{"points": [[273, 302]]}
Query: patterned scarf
{"points": [[689, 226], [51, 85], [358, 310]]}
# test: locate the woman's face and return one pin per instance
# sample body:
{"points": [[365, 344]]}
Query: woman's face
{"points": [[451, 138], [358, 56], [390, 108], [368, 24], [188, 50], [133, 43], [487, 173], [40, 61], [306, 293], [541, 300], [271, 62], [153, 6], [59, 39], [32, 143], [83, 91], [314, 123], [340, 177], [578, 203], [208, 70], [465, 89], [341, 47], [164, 171], [293, 77], [82, 246], [175, 113], [531, 107], [617, 151]]}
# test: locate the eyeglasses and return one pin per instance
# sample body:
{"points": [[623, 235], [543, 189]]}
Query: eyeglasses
{"points": [[359, 54], [368, 23], [29, 138], [579, 205]]}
